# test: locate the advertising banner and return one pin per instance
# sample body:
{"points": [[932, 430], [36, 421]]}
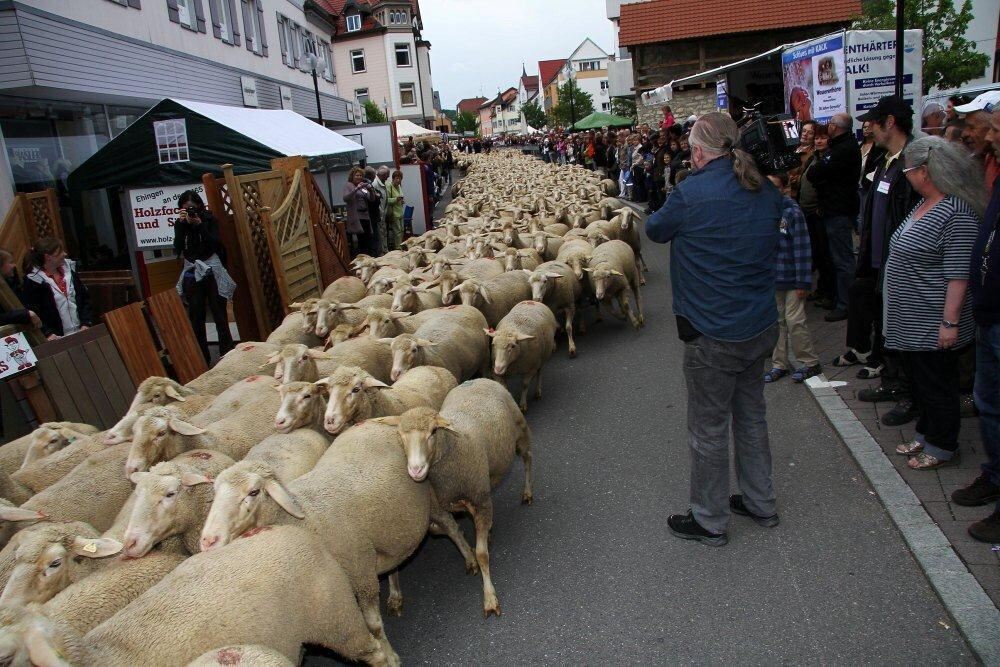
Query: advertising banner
{"points": [[721, 95], [870, 56], [815, 79], [15, 355], [154, 211]]}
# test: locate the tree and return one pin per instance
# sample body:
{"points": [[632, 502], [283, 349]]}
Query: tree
{"points": [[949, 58], [373, 113], [566, 113], [466, 121], [534, 115], [624, 107]]}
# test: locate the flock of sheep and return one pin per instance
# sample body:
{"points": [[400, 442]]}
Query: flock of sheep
{"points": [[252, 510]]}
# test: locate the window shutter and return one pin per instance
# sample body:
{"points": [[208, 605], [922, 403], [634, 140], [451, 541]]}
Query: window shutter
{"points": [[283, 38], [234, 23], [172, 11], [135, 3], [248, 23], [214, 10], [199, 13], [263, 33]]}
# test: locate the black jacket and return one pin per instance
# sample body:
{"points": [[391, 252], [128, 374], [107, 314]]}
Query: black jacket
{"points": [[902, 199], [836, 176], [37, 296], [984, 291], [193, 242]]}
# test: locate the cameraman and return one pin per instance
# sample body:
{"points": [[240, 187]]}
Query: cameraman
{"points": [[204, 280], [722, 222]]}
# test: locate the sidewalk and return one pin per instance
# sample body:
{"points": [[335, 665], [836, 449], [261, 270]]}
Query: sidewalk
{"points": [[933, 487]]}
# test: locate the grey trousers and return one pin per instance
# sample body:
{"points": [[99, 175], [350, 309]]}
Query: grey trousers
{"points": [[725, 384]]}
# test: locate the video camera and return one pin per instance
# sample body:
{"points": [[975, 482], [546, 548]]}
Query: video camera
{"points": [[771, 140]]}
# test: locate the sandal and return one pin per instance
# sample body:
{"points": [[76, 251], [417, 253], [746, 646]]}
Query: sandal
{"points": [[911, 448], [871, 372], [850, 358], [802, 374], [924, 461], [775, 374]]}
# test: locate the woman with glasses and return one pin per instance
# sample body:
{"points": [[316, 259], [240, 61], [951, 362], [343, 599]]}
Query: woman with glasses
{"points": [[927, 317]]}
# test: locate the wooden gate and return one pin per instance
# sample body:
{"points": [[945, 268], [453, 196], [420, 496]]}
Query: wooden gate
{"points": [[293, 246], [31, 216]]}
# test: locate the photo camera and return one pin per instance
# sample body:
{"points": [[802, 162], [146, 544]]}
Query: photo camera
{"points": [[771, 140]]}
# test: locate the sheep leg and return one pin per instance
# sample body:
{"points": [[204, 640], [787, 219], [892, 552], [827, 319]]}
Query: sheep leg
{"points": [[626, 306], [621, 313], [367, 650], [523, 449], [638, 302], [443, 523], [483, 518], [394, 605], [570, 314], [538, 384], [525, 384]]}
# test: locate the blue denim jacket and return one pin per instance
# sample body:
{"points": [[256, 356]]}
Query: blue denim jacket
{"points": [[723, 251]]}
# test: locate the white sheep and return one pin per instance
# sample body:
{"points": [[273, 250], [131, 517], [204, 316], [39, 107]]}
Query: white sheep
{"points": [[355, 396], [51, 437], [346, 289], [294, 329], [299, 363], [554, 284], [415, 299], [576, 254], [495, 297], [329, 313], [238, 364], [302, 406], [465, 450], [252, 655], [611, 273], [455, 343], [13, 518], [522, 344]]}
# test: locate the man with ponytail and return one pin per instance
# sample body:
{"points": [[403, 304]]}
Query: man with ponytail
{"points": [[723, 226]]}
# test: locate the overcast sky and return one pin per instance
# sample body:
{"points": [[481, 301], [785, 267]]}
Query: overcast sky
{"points": [[478, 45]]}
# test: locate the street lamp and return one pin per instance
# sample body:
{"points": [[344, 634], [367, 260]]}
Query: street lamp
{"points": [[312, 62], [572, 105]]}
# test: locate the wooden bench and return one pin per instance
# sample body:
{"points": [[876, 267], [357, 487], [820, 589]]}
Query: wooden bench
{"points": [[131, 334], [175, 331]]}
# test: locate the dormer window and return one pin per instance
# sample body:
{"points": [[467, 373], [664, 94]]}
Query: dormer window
{"points": [[354, 23]]}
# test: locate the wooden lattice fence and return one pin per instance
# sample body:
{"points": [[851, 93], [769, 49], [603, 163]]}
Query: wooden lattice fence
{"points": [[290, 231]]}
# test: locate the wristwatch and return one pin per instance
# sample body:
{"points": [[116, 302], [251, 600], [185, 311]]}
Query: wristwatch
{"points": [[949, 325]]}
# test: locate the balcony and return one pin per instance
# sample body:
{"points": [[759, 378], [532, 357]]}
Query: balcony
{"points": [[620, 79]]}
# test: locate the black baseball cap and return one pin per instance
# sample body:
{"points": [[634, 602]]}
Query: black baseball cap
{"points": [[893, 105]]}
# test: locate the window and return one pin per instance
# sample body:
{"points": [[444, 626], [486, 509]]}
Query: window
{"points": [[358, 61], [354, 23], [188, 13], [185, 13], [604, 86], [308, 46], [284, 38], [403, 55], [128, 3], [605, 106], [223, 24], [407, 95], [253, 27], [361, 95], [171, 140], [327, 59]]}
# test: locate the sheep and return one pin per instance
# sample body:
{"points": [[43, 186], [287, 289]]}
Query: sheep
{"points": [[609, 187], [238, 364], [456, 343], [329, 314], [12, 518], [371, 528], [611, 272], [51, 437], [293, 329], [365, 267], [43, 473], [157, 391], [413, 299], [383, 323], [628, 231], [382, 279], [517, 260], [284, 569], [253, 655], [300, 363], [12, 457], [522, 343], [356, 396], [495, 297], [302, 406], [465, 450], [346, 289], [13, 491], [340, 333]]}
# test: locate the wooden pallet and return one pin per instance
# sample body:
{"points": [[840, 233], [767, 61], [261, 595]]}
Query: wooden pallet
{"points": [[131, 334], [175, 331]]}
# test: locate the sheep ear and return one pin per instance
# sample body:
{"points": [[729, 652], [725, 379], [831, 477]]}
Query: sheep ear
{"points": [[423, 342], [137, 477], [297, 304], [41, 652], [347, 306], [281, 496], [174, 394], [441, 422], [386, 421], [521, 336], [554, 276], [587, 269], [398, 316], [527, 271], [387, 341], [180, 426], [323, 384], [313, 309], [316, 354], [489, 332], [20, 514], [273, 359], [194, 479], [95, 547], [485, 295], [370, 383], [617, 273]]}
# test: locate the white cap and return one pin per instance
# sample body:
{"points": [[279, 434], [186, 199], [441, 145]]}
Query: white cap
{"points": [[985, 102], [692, 118]]}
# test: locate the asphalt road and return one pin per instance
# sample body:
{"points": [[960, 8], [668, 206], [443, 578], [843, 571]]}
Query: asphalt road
{"points": [[589, 574]]}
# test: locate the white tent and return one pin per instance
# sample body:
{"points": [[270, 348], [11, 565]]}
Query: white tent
{"points": [[532, 130], [406, 129]]}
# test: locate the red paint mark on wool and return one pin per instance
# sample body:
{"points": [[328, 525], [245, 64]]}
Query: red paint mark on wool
{"points": [[254, 378], [204, 456], [255, 531], [229, 656], [248, 346]]}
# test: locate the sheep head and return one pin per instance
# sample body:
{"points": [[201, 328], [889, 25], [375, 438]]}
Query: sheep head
{"points": [[308, 310], [407, 352], [541, 282], [45, 561], [241, 492], [29, 637], [347, 387], [48, 439], [301, 406], [417, 429], [157, 436], [596, 236], [404, 298], [160, 391], [365, 267], [506, 348], [601, 279], [296, 362], [381, 323], [159, 509], [329, 314], [472, 293]]}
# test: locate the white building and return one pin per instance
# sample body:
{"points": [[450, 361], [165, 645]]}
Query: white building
{"points": [[588, 65], [620, 78]]}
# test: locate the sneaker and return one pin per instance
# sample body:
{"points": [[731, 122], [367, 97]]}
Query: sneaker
{"points": [[902, 413], [737, 507], [686, 527], [988, 529], [880, 394], [870, 372], [836, 315], [980, 492]]}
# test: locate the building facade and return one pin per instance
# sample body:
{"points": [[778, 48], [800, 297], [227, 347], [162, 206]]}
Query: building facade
{"points": [[620, 78], [549, 79], [501, 115], [380, 56], [77, 72], [588, 65]]}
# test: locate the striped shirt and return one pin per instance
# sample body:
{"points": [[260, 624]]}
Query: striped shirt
{"points": [[924, 255]]}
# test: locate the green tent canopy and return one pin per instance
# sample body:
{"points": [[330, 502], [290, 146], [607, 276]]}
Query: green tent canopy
{"points": [[599, 119]]}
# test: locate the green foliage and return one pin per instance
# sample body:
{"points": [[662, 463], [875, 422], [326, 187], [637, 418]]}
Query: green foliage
{"points": [[624, 107], [582, 105], [466, 121], [374, 113], [534, 115], [949, 58]]}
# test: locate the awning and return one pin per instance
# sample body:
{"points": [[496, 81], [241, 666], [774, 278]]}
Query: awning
{"points": [[406, 129], [600, 119]]}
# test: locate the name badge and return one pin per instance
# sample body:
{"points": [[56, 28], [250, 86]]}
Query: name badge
{"points": [[883, 187]]}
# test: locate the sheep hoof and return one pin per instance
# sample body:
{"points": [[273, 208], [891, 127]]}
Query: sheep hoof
{"points": [[471, 567], [572, 353], [527, 498], [524, 407], [394, 606], [491, 606]]}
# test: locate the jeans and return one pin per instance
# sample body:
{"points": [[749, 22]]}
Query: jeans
{"points": [[933, 376], [792, 332], [864, 315], [839, 234], [202, 294], [826, 280], [987, 394], [725, 384]]}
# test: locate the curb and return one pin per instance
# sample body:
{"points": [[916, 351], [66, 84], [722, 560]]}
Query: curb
{"points": [[974, 613]]}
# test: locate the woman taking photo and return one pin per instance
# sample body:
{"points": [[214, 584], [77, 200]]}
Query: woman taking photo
{"points": [[358, 193], [927, 316], [204, 282], [52, 289]]}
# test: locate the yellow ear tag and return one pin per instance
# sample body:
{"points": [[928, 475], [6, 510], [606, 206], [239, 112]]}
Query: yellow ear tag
{"points": [[90, 547]]}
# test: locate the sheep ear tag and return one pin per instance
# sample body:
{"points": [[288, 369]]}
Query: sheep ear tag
{"points": [[96, 547]]}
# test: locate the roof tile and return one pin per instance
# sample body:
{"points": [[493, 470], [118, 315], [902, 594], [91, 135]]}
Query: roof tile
{"points": [[548, 69]]}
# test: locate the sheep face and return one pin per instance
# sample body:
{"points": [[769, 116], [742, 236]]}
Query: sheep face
{"points": [[346, 388], [45, 563], [596, 237], [506, 348], [511, 260], [472, 293], [340, 333], [381, 286], [154, 436], [47, 440], [439, 266], [240, 492], [308, 310], [417, 429], [160, 391], [329, 315], [541, 283], [301, 406], [296, 363], [602, 279], [380, 322], [365, 269], [576, 261], [404, 298], [447, 280], [416, 258], [156, 513], [509, 233], [406, 353], [539, 242]]}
